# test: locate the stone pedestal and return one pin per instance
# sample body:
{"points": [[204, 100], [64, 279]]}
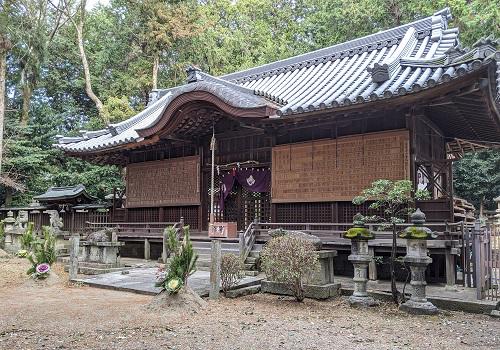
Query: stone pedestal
{"points": [[360, 258], [416, 257], [321, 286], [99, 257], [102, 252]]}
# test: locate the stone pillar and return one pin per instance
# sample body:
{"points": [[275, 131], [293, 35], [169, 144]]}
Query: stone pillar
{"points": [[147, 249], [416, 257], [164, 253], [372, 265], [73, 256], [360, 258], [215, 269]]}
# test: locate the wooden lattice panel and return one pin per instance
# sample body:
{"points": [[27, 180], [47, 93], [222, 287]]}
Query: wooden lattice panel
{"points": [[338, 170], [167, 182]]}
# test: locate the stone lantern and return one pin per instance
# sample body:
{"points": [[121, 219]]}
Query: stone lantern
{"points": [[360, 258], [416, 257], [9, 243]]}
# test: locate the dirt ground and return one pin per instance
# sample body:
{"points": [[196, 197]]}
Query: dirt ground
{"points": [[64, 316]]}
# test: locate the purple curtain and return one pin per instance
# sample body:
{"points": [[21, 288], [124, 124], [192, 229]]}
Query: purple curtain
{"points": [[254, 180]]}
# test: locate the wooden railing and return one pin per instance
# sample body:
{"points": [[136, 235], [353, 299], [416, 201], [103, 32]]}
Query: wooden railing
{"points": [[133, 229], [247, 240], [449, 234]]}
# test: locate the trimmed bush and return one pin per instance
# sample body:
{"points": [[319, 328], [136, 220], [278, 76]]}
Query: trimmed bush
{"points": [[290, 260], [230, 271]]}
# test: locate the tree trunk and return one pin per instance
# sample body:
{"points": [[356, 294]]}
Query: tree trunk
{"points": [[156, 64], [86, 71], [5, 46], [27, 92], [394, 288]]}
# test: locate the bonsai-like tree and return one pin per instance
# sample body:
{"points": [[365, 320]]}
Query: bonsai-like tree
{"points": [[396, 200]]}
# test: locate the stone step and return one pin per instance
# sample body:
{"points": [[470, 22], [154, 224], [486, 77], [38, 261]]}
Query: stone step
{"points": [[235, 293], [208, 251], [251, 273], [254, 254], [224, 245], [251, 260], [249, 267], [88, 270]]}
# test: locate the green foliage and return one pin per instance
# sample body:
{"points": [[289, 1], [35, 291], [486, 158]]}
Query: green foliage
{"points": [[230, 271], [477, 177], [395, 198], [173, 243], [28, 238], [117, 109], [183, 262], [290, 260], [42, 250]]}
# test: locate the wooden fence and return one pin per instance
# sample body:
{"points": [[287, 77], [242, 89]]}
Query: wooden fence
{"points": [[481, 259]]}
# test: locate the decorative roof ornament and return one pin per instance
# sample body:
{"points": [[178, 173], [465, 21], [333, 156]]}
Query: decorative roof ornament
{"points": [[383, 71], [380, 72], [193, 74]]}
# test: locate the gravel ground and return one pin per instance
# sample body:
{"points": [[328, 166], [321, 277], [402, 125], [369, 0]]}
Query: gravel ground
{"points": [[75, 317]]}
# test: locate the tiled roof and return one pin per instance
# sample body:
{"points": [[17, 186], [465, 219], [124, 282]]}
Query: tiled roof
{"points": [[127, 131], [384, 65], [66, 192]]}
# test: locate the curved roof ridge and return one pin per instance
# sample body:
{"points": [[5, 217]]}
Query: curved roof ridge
{"points": [[388, 36]]}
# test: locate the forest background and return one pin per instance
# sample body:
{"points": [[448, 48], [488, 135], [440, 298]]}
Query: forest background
{"points": [[68, 68]]}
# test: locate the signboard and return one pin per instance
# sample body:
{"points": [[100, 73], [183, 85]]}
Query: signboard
{"points": [[169, 182], [338, 170], [223, 230]]}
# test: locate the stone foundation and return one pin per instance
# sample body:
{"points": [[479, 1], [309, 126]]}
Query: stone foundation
{"points": [[312, 291]]}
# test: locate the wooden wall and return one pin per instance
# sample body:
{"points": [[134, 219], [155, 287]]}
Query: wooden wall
{"points": [[166, 182], [339, 169]]}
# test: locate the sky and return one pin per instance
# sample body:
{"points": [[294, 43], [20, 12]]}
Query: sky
{"points": [[92, 3]]}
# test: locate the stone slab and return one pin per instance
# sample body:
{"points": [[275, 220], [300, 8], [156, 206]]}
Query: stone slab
{"points": [[142, 280], [310, 290], [235, 293]]}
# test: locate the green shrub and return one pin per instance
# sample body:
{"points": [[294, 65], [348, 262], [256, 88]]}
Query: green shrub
{"points": [[290, 260], [182, 264], [172, 241], [28, 238], [230, 271], [42, 251]]}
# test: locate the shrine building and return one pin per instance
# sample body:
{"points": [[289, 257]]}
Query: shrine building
{"points": [[295, 140]]}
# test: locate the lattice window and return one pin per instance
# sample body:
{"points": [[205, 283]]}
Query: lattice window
{"points": [[190, 215], [143, 215]]}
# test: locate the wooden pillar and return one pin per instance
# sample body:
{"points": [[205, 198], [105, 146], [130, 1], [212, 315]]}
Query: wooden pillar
{"points": [[215, 269], [450, 269], [147, 249], [161, 214]]}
